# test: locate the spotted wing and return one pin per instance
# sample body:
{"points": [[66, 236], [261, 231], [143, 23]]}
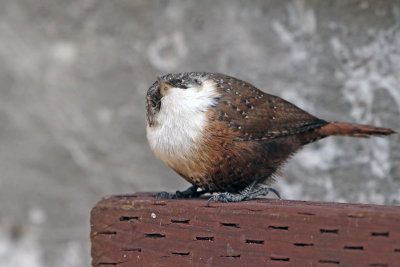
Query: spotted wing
{"points": [[258, 115]]}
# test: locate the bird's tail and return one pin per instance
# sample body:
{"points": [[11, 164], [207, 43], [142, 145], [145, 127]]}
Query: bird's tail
{"points": [[352, 129]]}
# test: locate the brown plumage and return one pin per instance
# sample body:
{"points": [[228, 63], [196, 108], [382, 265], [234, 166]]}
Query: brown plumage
{"points": [[246, 136]]}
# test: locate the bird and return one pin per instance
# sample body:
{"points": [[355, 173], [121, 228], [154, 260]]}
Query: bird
{"points": [[228, 138]]}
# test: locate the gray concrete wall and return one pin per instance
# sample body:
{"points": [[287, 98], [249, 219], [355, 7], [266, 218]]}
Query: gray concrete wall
{"points": [[73, 76]]}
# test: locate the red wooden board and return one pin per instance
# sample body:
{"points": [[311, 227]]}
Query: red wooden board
{"points": [[138, 231]]}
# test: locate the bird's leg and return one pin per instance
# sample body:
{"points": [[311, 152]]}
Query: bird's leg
{"points": [[245, 194], [188, 193]]}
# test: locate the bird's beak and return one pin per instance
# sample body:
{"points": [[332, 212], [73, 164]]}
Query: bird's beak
{"points": [[150, 121]]}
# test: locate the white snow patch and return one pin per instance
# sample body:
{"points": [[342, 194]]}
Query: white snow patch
{"points": [[20, 253], [73, 255]]}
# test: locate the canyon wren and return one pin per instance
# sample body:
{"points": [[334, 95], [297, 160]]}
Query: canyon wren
{"points": [[222, 134]]}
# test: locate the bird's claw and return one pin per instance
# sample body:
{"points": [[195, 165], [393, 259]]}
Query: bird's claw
{"points": [[223, 197], [243, 195]]}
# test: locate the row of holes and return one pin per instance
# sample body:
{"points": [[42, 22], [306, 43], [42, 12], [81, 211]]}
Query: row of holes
{"points": [[301, 213], [238, 256], [234, 256], [249, 241], [322, 231], [285, 228], [235, 225], [211, 238], [157, 235], [355, 215], [127, 218], [286, 259]]}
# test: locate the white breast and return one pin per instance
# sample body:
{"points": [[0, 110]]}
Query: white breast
{"points": [[180, 121]]}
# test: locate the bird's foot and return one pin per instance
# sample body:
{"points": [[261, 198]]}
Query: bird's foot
{"points": [[263, 192], [188, 193], [246, 194], [226, 197]]}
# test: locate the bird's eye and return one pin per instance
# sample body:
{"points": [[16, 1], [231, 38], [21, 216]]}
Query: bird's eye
{"points": [[153, 103]]}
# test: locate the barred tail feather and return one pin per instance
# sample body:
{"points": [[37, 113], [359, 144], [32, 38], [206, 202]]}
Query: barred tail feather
{"points": [[352, 129]]}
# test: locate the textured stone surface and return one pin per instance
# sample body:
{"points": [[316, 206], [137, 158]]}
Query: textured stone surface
{"points": [[73, 76]]}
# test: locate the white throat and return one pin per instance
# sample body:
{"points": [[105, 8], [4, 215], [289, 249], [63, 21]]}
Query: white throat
{"points": [[181, 121]]}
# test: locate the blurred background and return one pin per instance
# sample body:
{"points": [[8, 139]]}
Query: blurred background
{"points": [[73, 79]]}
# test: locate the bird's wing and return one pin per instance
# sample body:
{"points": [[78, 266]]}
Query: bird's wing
{"points": [[258, 115]]}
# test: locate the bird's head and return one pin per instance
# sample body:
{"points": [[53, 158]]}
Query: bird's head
{"points": [[179, 95]]}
